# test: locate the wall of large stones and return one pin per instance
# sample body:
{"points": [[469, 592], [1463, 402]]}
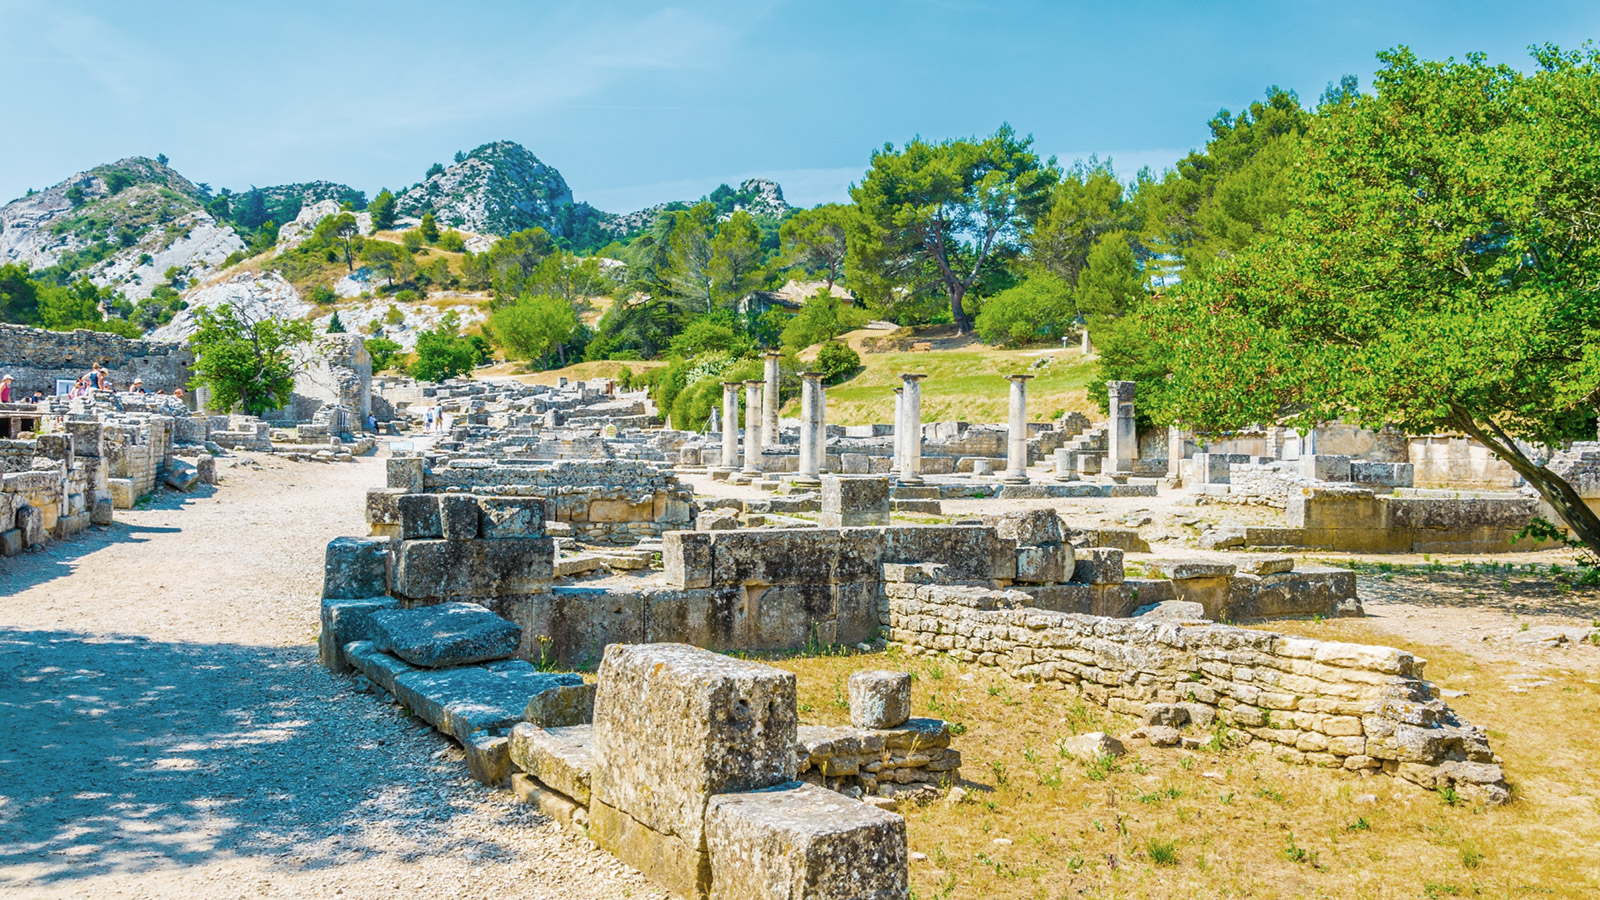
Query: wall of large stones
{"points": [[35, 358], [1324, 703]]}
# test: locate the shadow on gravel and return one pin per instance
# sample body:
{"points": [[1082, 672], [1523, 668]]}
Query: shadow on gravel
{"points": [[56, 560], [121, 754]]}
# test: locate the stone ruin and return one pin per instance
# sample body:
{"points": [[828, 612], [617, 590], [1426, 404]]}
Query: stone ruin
{"points": [[97, 454], [728, 798]]}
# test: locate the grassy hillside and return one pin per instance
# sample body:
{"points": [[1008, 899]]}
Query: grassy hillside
{"points": [[965, 384]]}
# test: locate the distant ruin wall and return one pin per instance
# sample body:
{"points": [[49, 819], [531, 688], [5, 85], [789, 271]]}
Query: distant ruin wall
{"points": [[1330, 704], [35, 358]]}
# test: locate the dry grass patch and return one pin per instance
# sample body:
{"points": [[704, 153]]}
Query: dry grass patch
{"points": [[1231, 821]]}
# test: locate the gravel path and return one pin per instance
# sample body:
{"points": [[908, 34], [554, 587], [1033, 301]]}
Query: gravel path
{"points": [[165, 731]]}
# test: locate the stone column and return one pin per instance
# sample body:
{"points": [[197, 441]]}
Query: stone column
{"points": [[752, 428], [1176, 441], [730, 426], [813, 431], [1017, 437], [1066, 465], [769, 405], [1088, 348], [900, 431], [1122, 436], [911, 450]]}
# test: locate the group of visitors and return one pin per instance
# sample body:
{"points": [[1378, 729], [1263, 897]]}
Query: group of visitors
{"points": [[438, 420]]}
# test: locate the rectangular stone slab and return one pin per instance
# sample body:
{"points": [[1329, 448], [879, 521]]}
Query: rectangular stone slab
{"points": [[561, 758], [444, 635], [674, 724], [803, 842], [464, 702]]}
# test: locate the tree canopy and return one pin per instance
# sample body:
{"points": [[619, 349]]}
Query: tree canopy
{"points": [[1437, 270], [246, 361]]}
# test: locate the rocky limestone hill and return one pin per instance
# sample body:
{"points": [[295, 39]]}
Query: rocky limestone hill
{"points": [[499, 188], [255, 295], [123, 225]]}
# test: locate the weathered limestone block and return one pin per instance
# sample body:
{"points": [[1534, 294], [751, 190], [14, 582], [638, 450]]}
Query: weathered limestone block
{"points": [[1028, 527], [445, 569], [419, 517], [802, 842], [383, 506], [100, 512], [510, 517], [1045, 563], [356, 567], [11, 542], [31, 524], [458, 516], [1098, 565], [561, 758], [686, 559], [562, 707], [181, 476], [122, 493], [445, 634], [854, 501], [405, 473], [880, 699], [551, 804], [345, 621], [715, 724], [1182, 569]]}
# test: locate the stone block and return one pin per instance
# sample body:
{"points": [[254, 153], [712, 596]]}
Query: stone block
{"points": [[383, 506], [1267, 565], [1184, 569], [181, 476], [1175, 610], [463, 702], [686, 558], [854, 501], [100, 512], [30, 522], [510, 517], [444, 570], [419, 517], [550, 804], [11, 542], [1045, 563], [355, 567], [345, 621], [1098, 565], [405, 473], [880, 699], [561, 707], [488, 759], [206, 465], [673, 725], [802, 842], [445, 634], [1028, 528], [458, 517], [121, 490], [1325, 467], [561, 758]]}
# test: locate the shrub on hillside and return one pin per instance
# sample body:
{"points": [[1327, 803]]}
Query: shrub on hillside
{"points": [[836, 362]]}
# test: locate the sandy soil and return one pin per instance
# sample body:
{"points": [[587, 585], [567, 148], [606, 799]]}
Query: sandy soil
{"points": [[166, 732]]}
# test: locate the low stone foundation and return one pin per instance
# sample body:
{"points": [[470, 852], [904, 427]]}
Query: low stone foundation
{"points": [[1318, 702]]}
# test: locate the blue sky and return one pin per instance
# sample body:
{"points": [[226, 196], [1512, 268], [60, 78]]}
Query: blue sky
{"points": [[638, 103]]}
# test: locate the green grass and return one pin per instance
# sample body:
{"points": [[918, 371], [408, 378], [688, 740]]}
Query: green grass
{"points": [[966, 385]]}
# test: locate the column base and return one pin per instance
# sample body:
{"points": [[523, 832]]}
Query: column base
{"points": [[1013, 478], [806, 481], [1066, 478], [911, 479]]}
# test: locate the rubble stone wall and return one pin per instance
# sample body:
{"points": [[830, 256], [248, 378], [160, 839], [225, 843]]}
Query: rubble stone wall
{"points": [[35, 358], [1319, 702]]}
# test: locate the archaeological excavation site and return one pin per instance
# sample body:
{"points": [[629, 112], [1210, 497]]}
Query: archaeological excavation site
{"points": [[976, 514]]}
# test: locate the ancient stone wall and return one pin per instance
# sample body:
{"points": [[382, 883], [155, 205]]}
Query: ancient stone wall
{"points": [[1318, 702], [35, 358]]}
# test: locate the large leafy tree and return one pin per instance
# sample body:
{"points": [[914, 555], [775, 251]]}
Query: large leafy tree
{"points": [[443, 352], [815, 240], [735, 257], [246, 361], [1215, 202], [1438, 271], [533, 328], [690, 273], [932, 215], [1087, 204]]}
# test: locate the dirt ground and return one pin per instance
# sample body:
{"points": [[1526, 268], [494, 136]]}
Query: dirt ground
{"points": [[166, 732]]}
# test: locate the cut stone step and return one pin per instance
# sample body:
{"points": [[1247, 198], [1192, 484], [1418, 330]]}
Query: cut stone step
{"points": [[928, 507], [444, 635], [578, 565], [464, 702], [562, 759]]}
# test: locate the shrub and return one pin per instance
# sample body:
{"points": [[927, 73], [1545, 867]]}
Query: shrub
{"points": [[322, 295], [407, 295], [412, 239], [1039, 309], [836, 362]]}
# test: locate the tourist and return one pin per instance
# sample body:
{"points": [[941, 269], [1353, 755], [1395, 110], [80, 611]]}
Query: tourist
{"points": [[91, 378], [5, 389], [372, 423], [428, 419], [137, 387]]}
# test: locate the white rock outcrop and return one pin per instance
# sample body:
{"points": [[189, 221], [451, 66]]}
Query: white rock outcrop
{"points": [[257, 295]]}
